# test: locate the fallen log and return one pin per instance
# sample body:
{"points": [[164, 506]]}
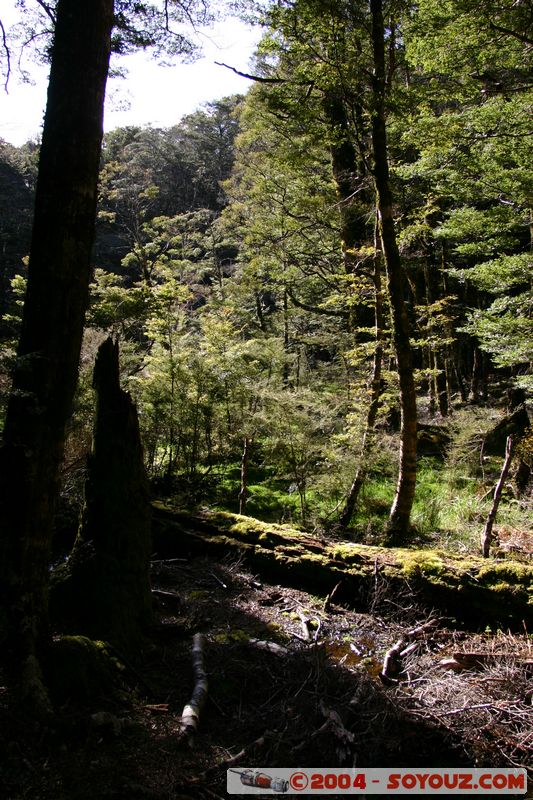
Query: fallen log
{"points": [[470, 589], [191, 712]]}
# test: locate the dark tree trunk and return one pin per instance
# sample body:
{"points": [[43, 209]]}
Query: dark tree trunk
{"points": [[108, 570], [344, 167], [405, 490], [58, 279]]}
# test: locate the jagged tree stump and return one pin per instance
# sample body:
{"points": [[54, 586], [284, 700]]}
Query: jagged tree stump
{"points": [[104, 589]]}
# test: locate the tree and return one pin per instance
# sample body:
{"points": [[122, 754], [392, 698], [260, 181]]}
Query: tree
{"points": [[315, 72], [46, 370], [58, 279], [405, 490]]}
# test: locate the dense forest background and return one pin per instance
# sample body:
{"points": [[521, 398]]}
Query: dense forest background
{"points": [[240, 261]]}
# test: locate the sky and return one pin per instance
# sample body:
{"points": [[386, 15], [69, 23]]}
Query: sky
{"points": [[150, 94]]}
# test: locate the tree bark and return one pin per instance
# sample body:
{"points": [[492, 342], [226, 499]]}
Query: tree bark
{"points": [[46, 371], [344, 168], [106, 591], [399, 519], [375, 396]]}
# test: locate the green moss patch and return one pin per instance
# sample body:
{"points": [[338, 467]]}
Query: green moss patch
{"points": [[470, 589]]}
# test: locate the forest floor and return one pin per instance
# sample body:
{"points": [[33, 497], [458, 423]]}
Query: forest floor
{"points": [[285, 699]]}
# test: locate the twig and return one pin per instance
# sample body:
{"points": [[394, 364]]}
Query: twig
{"points": [[169, 560], [166, 595], [329, 599], [233, 760], [221, 582]]}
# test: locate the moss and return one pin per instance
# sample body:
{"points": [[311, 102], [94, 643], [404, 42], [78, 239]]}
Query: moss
{"points": [[232, 636], [198, 594], [81, 670], [470, 589], [422, 562], [510, 572]]}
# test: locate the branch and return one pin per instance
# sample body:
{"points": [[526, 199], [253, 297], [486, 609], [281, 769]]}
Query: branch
{"points": [[515, 34], [8, 55], [315, 309], [257, 78], [191, 712], [47, 10]]}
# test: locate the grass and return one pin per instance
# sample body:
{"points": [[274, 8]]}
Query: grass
{"points": [[452, 501]]}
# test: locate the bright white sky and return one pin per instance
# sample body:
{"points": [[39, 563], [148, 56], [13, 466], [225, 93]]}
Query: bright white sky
{"points": [[150, 94]]}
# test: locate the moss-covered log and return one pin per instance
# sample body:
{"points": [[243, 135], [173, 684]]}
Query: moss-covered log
{"points": [[470, 589]]}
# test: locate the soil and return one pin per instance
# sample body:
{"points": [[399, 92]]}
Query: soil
{"points": [[291, 693]]}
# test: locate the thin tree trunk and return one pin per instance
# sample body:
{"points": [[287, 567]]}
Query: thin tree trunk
{"points": [[405, 491], [243, 494], [486, 536], [46, 372], [375, 396]]}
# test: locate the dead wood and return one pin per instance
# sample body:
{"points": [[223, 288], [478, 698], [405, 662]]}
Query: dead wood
{"points": [[331, 596], [166, 595], [270, 647], [465, 588], [191, 712], [486, 536], [393, 661], [460, 662], [305, 624]]}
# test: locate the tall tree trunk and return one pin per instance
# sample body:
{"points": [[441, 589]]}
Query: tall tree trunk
{"points": [[344, 168], [349, 177], [46, 372], [375, 396], [405, 490]]}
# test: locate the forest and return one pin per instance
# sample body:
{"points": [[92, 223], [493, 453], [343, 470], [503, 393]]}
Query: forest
{"points": [[265, 391]]}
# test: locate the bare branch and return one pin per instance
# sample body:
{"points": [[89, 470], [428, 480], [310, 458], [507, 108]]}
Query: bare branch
{"points": [[8, 55], [47, 10], [515, 34], [257, 78]]}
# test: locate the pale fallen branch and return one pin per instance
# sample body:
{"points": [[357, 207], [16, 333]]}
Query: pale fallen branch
{"points": [[157, 708], [459, 662], [219, 580], [392, 663], [191, 712], [164, 595], [271, 647]]}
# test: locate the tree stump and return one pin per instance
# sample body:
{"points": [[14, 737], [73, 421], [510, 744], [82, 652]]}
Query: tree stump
{"points": [[104, 589]]}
